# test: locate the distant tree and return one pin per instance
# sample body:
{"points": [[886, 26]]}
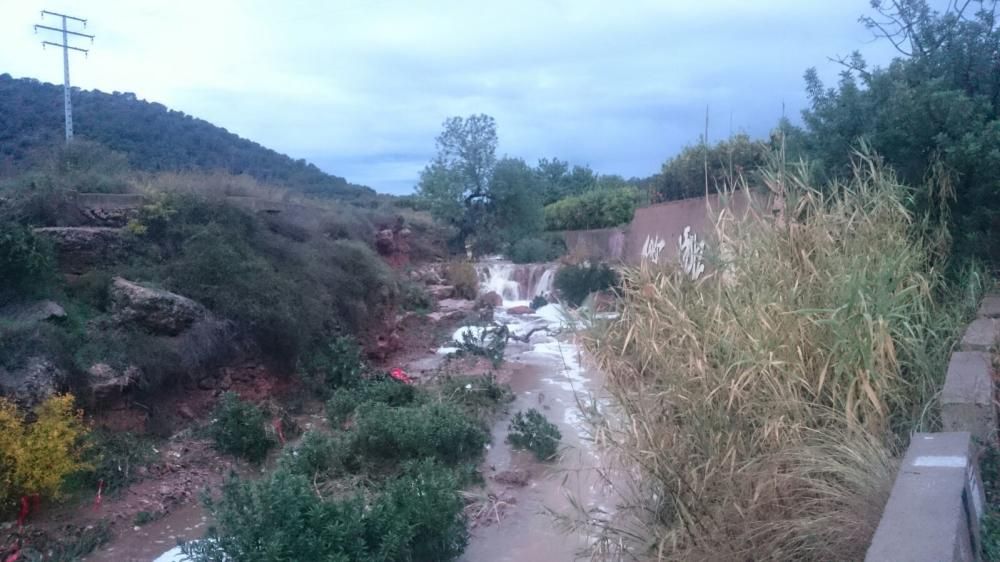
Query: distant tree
{"points": [[683, 176], [517, 201], [559, 181]]}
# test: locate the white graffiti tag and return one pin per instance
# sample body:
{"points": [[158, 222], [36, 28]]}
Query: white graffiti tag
{"points": [[652, 248], [691, 252]]}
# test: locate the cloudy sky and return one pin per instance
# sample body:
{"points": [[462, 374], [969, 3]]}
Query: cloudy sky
{"points": [[361, 87]]}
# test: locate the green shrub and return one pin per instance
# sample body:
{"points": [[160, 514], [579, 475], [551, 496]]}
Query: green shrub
{"points": [[337, 365], [115, 457], [463, 276], [533, 432], [383, 389], [480, 396], [601, 208], [415, 298], [575, 282], [26, 264], [419, 516], [484, 341], [279, 518], [440, 430], [317, 453], [239, 429], [536, 250]]}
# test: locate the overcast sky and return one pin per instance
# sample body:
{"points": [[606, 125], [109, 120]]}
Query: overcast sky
{"points": [[361, 87]]}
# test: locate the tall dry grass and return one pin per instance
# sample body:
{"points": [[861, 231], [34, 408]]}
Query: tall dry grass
{"points": [[757, 411]]}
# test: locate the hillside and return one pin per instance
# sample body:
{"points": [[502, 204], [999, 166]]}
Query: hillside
{"points": [[153, 137]]}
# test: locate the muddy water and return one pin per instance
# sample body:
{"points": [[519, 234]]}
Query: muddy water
{"points": [[151, 540], [551, 380]]}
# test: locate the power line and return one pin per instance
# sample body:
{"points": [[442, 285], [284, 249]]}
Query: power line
{"points": [[66, 47]]}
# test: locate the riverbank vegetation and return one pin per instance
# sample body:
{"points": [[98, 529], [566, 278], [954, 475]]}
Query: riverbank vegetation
{"points": [[762, 404]]}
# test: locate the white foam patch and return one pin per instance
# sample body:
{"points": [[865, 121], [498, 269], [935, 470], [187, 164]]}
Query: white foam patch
{"points": [[173, 555]]}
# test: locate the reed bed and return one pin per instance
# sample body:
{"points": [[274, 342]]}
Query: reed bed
{"points": [[757, 411]]}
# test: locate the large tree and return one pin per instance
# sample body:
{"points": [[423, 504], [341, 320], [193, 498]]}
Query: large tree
{"points": [[933, 113], [456, 183]]}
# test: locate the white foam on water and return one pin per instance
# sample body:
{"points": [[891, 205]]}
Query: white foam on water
{"points": [[172, 555]]}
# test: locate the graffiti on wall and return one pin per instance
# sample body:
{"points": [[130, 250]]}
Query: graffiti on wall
{"points": [[652, 248], [691, 251]]}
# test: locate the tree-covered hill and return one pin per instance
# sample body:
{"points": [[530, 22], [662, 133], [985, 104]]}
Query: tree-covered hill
{"points": [[153, 137]]}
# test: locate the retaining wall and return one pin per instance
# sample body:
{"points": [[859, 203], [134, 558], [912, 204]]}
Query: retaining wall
{"points": [[654, 232], [937, 502]]}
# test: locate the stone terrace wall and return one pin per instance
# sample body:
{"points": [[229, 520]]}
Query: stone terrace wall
{"points": [[937, 501]]}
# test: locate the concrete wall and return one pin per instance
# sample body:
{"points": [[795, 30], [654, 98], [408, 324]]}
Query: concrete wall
{"points": [[937, 501], [654, 231]]}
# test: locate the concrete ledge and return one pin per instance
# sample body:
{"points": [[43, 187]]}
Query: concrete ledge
{"points": [[934, 510], [980, 335], [967, 397]]}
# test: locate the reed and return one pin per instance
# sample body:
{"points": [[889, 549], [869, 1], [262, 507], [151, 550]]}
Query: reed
{"points": [[757, 411]]}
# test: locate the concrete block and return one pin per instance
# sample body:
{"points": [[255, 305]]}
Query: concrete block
{"points": [[980, 335], [936, 502], [967, 397]]}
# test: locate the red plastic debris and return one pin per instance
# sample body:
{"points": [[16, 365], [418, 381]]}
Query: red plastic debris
{"points": [[22, 515], [14, 556], [100, 495], [278, 429], [400, 375]]}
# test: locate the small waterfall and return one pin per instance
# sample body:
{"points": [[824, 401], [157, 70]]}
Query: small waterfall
{"points": [[516, 282]]}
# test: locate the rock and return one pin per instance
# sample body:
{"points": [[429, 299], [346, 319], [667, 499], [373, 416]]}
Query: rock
{"points": [[492, 299], [441, 292], [385, 242], [105, 382], [158, 311], [30, 385], [393, 244], [34, 312], [80, 248], [512, 477], [519, 310]]}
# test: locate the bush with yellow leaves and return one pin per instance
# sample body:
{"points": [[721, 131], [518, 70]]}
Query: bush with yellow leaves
{"points": [[35, 458]]}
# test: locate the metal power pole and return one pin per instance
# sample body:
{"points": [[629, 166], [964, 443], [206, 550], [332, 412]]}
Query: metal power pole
{"points": [[67, 102]]}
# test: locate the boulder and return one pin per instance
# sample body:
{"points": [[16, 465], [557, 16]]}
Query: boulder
{"points": [[519, 310], [34, 312], [155, 310], [491, 299], [30, 385], [512, 477], [81, 248], [106, 383]]}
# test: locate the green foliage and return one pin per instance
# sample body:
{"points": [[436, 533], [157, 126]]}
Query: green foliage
{"points": [[414, 297], [382, 389], [484, 341], [683, 176], [419, 516], [147, 517], [516, 206], [151, 136], [239, 429], [479, 396], [575, 282], [537, 250], [317, 453], [538, 302], [933, 112], [603, 208], [26, 265], [279, 518], [462, 275], [533, 432], [989, 466], [337, 365], [71, 544], [558, 181], [116, 459], [442, 431]]}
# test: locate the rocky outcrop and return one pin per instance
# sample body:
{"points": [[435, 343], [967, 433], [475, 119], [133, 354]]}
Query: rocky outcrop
{"points": [[441, 292], [31, 313], [157, 311], [105, 383], [31, 384], [393, 244], [81, 248], [491, 299], [520, 310]]}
